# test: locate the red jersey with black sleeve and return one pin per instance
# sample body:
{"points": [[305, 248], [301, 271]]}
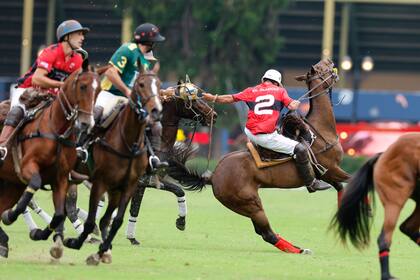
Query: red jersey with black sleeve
{"points": [[265, 101], [54, 61]]}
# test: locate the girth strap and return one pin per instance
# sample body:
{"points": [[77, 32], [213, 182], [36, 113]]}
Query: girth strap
{"points": [[62, 140], [135, 150]]}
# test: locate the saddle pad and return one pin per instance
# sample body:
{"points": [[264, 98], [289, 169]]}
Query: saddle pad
{"points": [[263, 164]]}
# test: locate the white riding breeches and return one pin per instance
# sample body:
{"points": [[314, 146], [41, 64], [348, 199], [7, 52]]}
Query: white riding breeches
{"points": [[108, 101], [273, 141], [15, 98]]}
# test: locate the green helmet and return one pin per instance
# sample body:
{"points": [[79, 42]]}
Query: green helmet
{"points": [[69, 26]]}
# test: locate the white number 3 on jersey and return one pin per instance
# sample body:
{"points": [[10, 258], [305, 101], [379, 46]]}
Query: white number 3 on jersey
{"points": [[263, 103]]}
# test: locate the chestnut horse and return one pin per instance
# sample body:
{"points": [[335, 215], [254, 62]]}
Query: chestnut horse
{"points": [[236, 179], [48, 154], [395, 174], [120, 159], [173, 111]]}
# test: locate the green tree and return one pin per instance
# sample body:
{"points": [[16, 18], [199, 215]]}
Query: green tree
{"points": [[224, 44]]}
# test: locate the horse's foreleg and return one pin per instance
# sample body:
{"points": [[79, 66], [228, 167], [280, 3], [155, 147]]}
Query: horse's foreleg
{"points": [[9, 216], [104, 249], [56, 224], [182, 204], [71, 208], [98, 189], [106, 219]]}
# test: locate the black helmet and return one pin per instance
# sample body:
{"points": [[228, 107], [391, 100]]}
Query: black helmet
{"points": [[69, 26], [147, 33]]}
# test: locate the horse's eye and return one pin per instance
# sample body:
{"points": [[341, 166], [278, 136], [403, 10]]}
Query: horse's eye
{"points": [[141, 85], [83, 87]]}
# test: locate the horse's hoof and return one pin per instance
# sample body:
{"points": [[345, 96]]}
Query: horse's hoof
{"points": [[133, 241], [72, 243], [389, 278], [35, 234], [4, 251], [93, 240], [93, 259], [307, 252], [107, 257], [180, 223], [5, 217], [56, 250]]}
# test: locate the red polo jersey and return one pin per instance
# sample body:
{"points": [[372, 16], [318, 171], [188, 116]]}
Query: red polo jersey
{"points": [[265, 101], [54, 61]]}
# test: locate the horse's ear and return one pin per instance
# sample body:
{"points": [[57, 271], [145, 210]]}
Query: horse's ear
{"points": [[187, 79], [180, 81], [140, 66], [301, 78], [85, 65], [156, 67]]}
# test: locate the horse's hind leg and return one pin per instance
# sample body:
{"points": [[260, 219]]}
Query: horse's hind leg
{"points": [[392, 212], [4, 244], [249, 205], [134, 213], [411, 225]]}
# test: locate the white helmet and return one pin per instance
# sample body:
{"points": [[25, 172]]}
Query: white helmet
{"points": [[273, 75]]}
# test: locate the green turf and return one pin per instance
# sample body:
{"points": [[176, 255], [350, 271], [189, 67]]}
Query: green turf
{"points": [[217, 244]]}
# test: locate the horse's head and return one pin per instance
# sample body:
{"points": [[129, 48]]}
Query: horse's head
{"points": [[78, 96], [322, 73], [190, 106], [145, 94]]}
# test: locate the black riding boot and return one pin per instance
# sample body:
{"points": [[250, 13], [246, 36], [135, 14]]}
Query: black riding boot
{"points": [[14, 117], [85, 136], [155, 140], [306, 171]]}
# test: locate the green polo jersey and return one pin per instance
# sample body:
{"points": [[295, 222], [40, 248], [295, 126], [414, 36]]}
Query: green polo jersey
{"points": [[125, 60]]}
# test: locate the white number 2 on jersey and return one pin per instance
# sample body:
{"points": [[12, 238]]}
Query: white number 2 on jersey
{"points": [[266, 102]]}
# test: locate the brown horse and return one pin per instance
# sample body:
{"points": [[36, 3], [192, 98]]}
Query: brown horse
{"points": [[236, 179], [395, 175], [120, 158], [173, 111], [48, 154]]}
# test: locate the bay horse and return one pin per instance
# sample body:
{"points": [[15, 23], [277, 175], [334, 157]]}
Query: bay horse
{"points": [[236, 178], [174, 109], [395, 174], [48, 155], [120, 159]]}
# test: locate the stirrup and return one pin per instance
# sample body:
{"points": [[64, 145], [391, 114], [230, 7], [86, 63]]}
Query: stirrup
{"points": [[156, 163], [3, 152], [82, 153]]}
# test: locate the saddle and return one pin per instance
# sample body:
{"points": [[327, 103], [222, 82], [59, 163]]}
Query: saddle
{"points": [[35, 102], [292, 127]]}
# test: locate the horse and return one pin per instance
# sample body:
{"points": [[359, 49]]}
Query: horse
{"points": [[120, 159], [174, 109], [236, 178], [395, 174], [47, 148]]}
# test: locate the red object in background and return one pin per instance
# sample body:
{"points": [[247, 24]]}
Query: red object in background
{"points": [[201, 138], [371, 138]]}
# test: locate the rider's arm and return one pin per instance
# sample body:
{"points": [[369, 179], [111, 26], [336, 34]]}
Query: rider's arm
{"points": [[40, 79], [218, 98], [294, 105], [114, 77]]}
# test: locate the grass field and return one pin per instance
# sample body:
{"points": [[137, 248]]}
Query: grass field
{"points": [[217, 244]]}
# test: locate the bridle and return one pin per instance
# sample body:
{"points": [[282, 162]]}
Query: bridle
{"points": [[330, 80], [139, 103], [71, 112]]}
